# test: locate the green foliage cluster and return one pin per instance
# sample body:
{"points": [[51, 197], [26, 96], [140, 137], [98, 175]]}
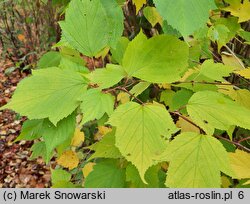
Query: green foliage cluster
{"points": [[166, 97]]}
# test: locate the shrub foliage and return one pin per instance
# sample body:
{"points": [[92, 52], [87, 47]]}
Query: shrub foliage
{"points": [[161, 99]]}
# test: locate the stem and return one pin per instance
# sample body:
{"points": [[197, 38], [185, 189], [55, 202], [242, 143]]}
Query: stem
{"points": [[215, 56], [240, 62], [232, 142], [204, 82], [185, 118], [244, 139], [217, 136], [93, 62], [125, 90]]}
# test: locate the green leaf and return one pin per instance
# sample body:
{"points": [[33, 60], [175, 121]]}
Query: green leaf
{"points": [[120, 2], [115, 20], [240, 96], [31, 130], [180, 99], [105, 148], [91, 25], [49, 93], [58, 175], [106, 174], [232, 24], [220, 34], [160, 59], [68, 64], [136, 140], [107, 77], [169, 30], [215, 71], [196, 161], [152, 15], [119, 50], [207, 72], [152, 176], [49, 59], [245, 35], [194, 55], [61, 179], [55, 135], [139, 88], [185, 16], [167, 98], [38, 150], [95, 104], [212, 110], [72, 55]]}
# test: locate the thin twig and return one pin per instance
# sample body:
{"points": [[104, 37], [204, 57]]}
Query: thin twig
{"points": [[93, 62], [204, 82], [238, 40], [240, 62], [244, 139], [217, 136], [125, 90], [235, 143], [185, 118]]}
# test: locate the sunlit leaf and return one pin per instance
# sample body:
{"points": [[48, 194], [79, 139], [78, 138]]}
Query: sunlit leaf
{"points": [[195, 161], [135, 139]]}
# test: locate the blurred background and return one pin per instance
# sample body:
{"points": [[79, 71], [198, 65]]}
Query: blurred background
{"points": [[28, 29]]}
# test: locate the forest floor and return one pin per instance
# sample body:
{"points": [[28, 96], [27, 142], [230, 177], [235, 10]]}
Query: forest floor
{"points": [[16, 169]]}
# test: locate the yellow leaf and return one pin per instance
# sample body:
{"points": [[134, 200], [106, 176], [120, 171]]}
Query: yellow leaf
{"points": [[103, 53], [244, 73], [225, 182], [240, 162], [139, 4], [227, 90], [152, 15], [102, 130], [165, 86], [21, 37], [240, 10], [123, 97], [78, 137], [68, 160], [186, 126], [188, 73], [241, 96], [87, 169], [231, 61]]}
